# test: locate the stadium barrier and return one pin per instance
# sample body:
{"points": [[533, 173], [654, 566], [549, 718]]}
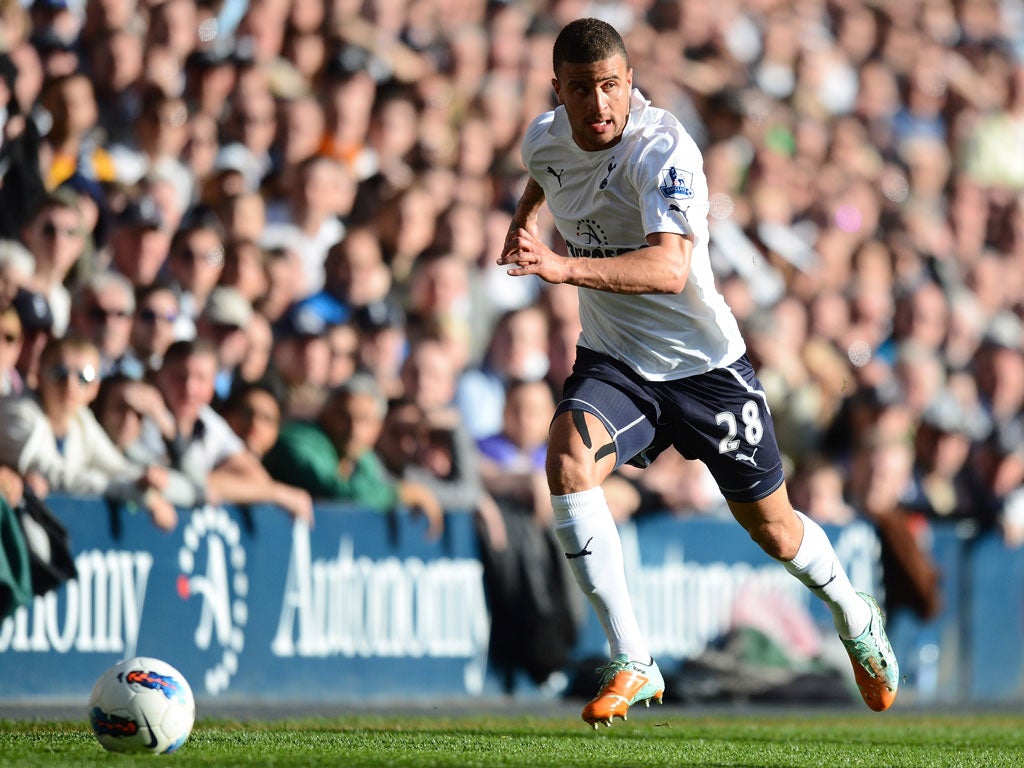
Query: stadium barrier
{"points": [[251, 607]]}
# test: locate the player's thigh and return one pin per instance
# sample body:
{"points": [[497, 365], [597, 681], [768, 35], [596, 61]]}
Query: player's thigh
{"points": [[722, 418], [581, 452], [598, 426]]}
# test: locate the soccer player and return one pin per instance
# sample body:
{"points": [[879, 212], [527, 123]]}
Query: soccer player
{"points": [[660, 360]]}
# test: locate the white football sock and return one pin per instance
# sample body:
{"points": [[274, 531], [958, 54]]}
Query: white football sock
{"points": [[817, 567], [587, 532]]}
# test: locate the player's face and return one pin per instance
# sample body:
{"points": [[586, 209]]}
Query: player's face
{"points": [[596, 100]]}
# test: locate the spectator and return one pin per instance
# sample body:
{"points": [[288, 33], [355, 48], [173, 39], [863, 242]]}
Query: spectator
{"points": [[997, 475], [300, 134], [405, 223], [156, 312], [11, 382], [70, 100], [310, 220], [416, 450], [244, 216], [245, 269], [57, 445], [518, 350], [445, 300], [140, 241], [20, 140], [195, 264], [448, 453], [224, 321], [115, 63], [880, 480], [355, 275], [343, 343], [209, 80], [254, 413], [512, 460], [942, 444], [284, 284], [16, 268], [348, 91], [998, 366], [200, 152], [120, 406], [252, 121], [161, 132], [36, 331], [544, 606], [56, 238], [383, 342], [203, 447], [334, 458], [817, 486], [256, 365], [102, 311], [301, 360]]}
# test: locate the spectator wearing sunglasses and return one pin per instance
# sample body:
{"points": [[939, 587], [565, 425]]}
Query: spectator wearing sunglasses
{"points": [[52, 439], [102, 311], [153, 330]]}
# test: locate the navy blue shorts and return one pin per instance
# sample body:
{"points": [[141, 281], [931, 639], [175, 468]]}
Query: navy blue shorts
{"points": [[720, 417]]}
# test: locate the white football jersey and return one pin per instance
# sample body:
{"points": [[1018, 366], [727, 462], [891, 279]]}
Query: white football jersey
{"points": [[605, 203]]}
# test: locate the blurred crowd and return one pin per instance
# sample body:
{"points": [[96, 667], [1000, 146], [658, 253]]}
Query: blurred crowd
{"points": [[248, 250]]}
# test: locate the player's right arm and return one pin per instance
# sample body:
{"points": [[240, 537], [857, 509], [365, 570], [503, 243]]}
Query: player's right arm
{"points": [[661, 267], [525, 216]]}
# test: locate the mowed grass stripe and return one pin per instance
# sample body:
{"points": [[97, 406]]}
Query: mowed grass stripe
{"points": [[894, 740]]}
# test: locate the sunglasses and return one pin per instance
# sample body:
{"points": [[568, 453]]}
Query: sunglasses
{"points": [[60, 374], [151, 316], [101, 315]]}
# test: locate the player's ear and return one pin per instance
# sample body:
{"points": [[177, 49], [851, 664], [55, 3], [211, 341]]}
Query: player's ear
{"points": [[558, 89]]}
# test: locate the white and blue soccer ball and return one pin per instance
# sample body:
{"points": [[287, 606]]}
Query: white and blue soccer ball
{"points": [[142, 705]]}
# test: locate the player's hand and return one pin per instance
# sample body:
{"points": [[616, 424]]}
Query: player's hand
{"points": [[526, 254]]}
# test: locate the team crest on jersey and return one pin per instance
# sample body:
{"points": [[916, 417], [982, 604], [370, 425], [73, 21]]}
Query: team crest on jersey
{"points": [[677, 183]]}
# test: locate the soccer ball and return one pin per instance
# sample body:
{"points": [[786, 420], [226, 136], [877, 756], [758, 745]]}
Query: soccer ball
{"points": [[142, 705]]}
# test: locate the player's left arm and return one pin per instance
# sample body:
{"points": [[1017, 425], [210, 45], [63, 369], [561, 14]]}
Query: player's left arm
{"points": [[662, 267]]}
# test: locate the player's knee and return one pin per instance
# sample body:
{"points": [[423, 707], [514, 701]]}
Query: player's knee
{"points": [[568, 473], [775, 538]]}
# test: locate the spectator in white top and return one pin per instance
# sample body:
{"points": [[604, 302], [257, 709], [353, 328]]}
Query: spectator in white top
{"points": [[319, 196], [57, 445], [203, 446]]}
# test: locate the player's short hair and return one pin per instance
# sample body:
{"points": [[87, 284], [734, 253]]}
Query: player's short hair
{"points": [[585, 41]]}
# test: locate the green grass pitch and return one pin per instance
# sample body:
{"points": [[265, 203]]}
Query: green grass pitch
{"points": [[669, 737]]}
